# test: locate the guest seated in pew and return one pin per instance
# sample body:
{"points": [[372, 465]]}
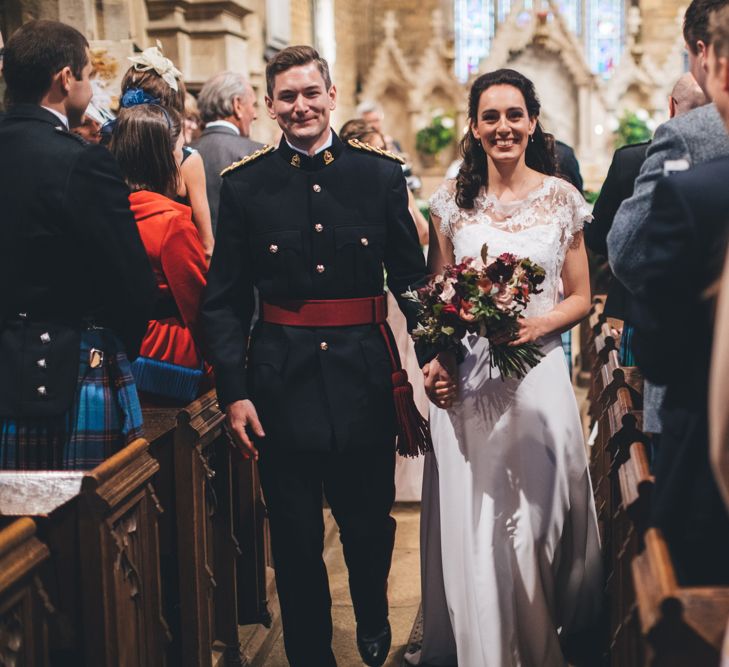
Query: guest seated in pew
{"points": [[686, 232], [76, 288], [147, 143]]}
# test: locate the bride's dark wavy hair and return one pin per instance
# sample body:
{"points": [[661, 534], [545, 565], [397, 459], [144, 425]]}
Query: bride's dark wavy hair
{"points": [[473, 174]]}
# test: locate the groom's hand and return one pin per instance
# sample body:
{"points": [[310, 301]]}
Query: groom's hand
{"points": [[440, 385], [239, 416]]}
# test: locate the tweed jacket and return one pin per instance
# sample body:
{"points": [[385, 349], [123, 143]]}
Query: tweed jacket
{"points": [[697, 137], [219, 146]]}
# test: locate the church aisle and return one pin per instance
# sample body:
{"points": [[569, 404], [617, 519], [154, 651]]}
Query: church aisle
{"points": [[404, 594]]}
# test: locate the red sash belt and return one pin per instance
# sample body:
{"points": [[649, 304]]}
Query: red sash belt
{"points": [[413, 430], [326, 313]]}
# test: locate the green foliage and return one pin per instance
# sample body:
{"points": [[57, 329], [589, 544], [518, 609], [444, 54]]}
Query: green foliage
{"points": [[433, 138], [591, 196], [632, 129]]}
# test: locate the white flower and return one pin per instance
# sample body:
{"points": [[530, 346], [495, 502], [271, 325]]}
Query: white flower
{"points": [[152, 58], [448, 292], [642, 114], [447, 122]]}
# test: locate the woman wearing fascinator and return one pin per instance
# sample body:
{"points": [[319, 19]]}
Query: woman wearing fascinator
{"points": [[154, 79]]}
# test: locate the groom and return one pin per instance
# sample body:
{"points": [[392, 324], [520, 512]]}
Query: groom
{"points": [[310, 224]]}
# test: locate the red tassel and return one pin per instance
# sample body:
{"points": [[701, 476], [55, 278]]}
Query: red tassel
{"points": [[413, 436]]}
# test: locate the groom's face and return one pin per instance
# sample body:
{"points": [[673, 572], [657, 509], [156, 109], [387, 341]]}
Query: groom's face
{"points": [[302, 104]]}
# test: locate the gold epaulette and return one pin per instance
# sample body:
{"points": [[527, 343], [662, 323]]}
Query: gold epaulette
{"points": [[247, 159], [360, 145]]}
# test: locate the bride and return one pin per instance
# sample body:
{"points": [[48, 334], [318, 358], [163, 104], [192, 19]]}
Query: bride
{"points": [[511, 555]]}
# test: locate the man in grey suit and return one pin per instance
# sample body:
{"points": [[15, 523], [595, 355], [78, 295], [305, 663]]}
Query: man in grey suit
{"points": [[227, 105], [679, 144]]}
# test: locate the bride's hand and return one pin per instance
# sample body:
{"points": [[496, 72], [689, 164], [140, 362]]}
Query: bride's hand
{"points": [[439, 376], [530, 328]]}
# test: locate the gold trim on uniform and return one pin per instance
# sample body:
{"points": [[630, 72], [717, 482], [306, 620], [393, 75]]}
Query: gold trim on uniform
{"points": [[360, 145], [295, 160], [328, 157], [248, 159]]}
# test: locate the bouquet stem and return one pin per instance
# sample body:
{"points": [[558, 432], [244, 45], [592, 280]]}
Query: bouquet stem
{"points": [[515, 361]]}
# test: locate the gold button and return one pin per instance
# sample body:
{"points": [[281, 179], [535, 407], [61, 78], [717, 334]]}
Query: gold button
{"points": [[318, 227], [364, 241], [320, 268], [45, 337], [324, 346], [316, 187], [41, 363], [273, 248], [42, 391]]}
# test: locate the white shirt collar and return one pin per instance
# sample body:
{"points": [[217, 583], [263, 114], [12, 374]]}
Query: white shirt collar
{"points": [[58, 115], [223, 123], [323, 147]]}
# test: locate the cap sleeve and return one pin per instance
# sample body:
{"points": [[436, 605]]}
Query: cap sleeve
{"points": [[443, 205], [577, 211]]}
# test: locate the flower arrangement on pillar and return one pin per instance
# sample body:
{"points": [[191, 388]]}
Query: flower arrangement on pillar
{"points": [[432, 140]]}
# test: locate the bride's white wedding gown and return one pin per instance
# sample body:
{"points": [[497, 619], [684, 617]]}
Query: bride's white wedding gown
{"points": [[509, 534]]}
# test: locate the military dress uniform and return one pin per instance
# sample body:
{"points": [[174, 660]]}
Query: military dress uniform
{"points": [[76, 292], [304, 229]]}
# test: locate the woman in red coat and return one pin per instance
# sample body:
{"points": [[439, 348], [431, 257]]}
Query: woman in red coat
{"points": [[147, 142]]}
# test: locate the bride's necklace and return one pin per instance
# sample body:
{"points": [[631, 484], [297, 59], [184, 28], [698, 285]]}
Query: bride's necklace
{"points": [[523, 192]]}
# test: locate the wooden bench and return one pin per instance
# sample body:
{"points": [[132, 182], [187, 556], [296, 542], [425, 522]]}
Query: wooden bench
{"points": [[683, 626], [589, 327], [221, 537], [608, 378], [103, 580], [24, 604]]}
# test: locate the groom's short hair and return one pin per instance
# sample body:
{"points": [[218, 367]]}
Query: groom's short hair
{"points": [[295, 56]]}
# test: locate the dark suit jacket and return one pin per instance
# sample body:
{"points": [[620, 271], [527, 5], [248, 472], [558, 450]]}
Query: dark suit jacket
{"points": [[296, 227], [567, 165], [686, 232], [69, 246], [618, 186], [219, 147]]}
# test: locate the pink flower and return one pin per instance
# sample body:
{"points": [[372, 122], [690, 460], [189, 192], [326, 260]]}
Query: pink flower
{"points": [[448, 292], [503, 299]]}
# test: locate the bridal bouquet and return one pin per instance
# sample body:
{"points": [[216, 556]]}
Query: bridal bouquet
{"points": [[476, 296]]}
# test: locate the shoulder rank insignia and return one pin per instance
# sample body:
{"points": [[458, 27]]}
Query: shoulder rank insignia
{"points": [[360, 145], [248, 159]]}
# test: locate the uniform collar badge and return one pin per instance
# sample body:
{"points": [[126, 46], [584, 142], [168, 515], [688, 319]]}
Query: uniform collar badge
{"points": [[295, 160], [328, 157]]}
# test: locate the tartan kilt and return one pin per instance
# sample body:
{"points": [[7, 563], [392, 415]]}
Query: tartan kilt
{"points": [[104, 417]]}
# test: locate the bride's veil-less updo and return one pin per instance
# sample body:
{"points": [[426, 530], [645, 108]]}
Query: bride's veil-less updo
{"points": [[473, 174]]}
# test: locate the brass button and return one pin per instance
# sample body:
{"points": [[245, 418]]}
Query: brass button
{"points": [[320, 268], [23, 316], [45, 337], [324, 346], [318, 227], [273, 248], [42, 391], [316, 187], [364, 241], [41, 363]]}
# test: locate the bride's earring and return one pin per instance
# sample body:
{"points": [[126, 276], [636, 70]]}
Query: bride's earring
{"points": [[531, 137]]}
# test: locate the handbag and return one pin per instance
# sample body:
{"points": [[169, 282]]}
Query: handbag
{"points": [[166, 379]]}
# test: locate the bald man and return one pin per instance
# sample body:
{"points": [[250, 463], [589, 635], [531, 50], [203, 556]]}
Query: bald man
{"points": [[685, 96]]}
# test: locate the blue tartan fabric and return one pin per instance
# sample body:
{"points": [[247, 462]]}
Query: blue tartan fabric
{"points": [[567, 348], [105, 417], [626, 345]]}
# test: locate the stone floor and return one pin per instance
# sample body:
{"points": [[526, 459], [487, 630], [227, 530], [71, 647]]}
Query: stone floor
{"points": [[404, 595]]}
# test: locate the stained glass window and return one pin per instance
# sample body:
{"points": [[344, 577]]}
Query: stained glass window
{"points": [[605, 34], [602, 21], [474, 27]]}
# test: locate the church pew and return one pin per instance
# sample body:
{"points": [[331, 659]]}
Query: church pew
{"points": [[222, 530], [609, 378], [24, 604], [103, 579], [603, 343], [682, 625], [628, 527], [589, 327]]}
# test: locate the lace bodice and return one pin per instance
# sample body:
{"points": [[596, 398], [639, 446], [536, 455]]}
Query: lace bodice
{"points": [[542, 226]]}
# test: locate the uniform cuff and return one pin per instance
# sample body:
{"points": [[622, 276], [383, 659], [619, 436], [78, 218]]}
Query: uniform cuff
{"points": [[230, 385]]}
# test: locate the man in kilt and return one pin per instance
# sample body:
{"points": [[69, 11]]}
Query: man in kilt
{"points": [[76, 288]]}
